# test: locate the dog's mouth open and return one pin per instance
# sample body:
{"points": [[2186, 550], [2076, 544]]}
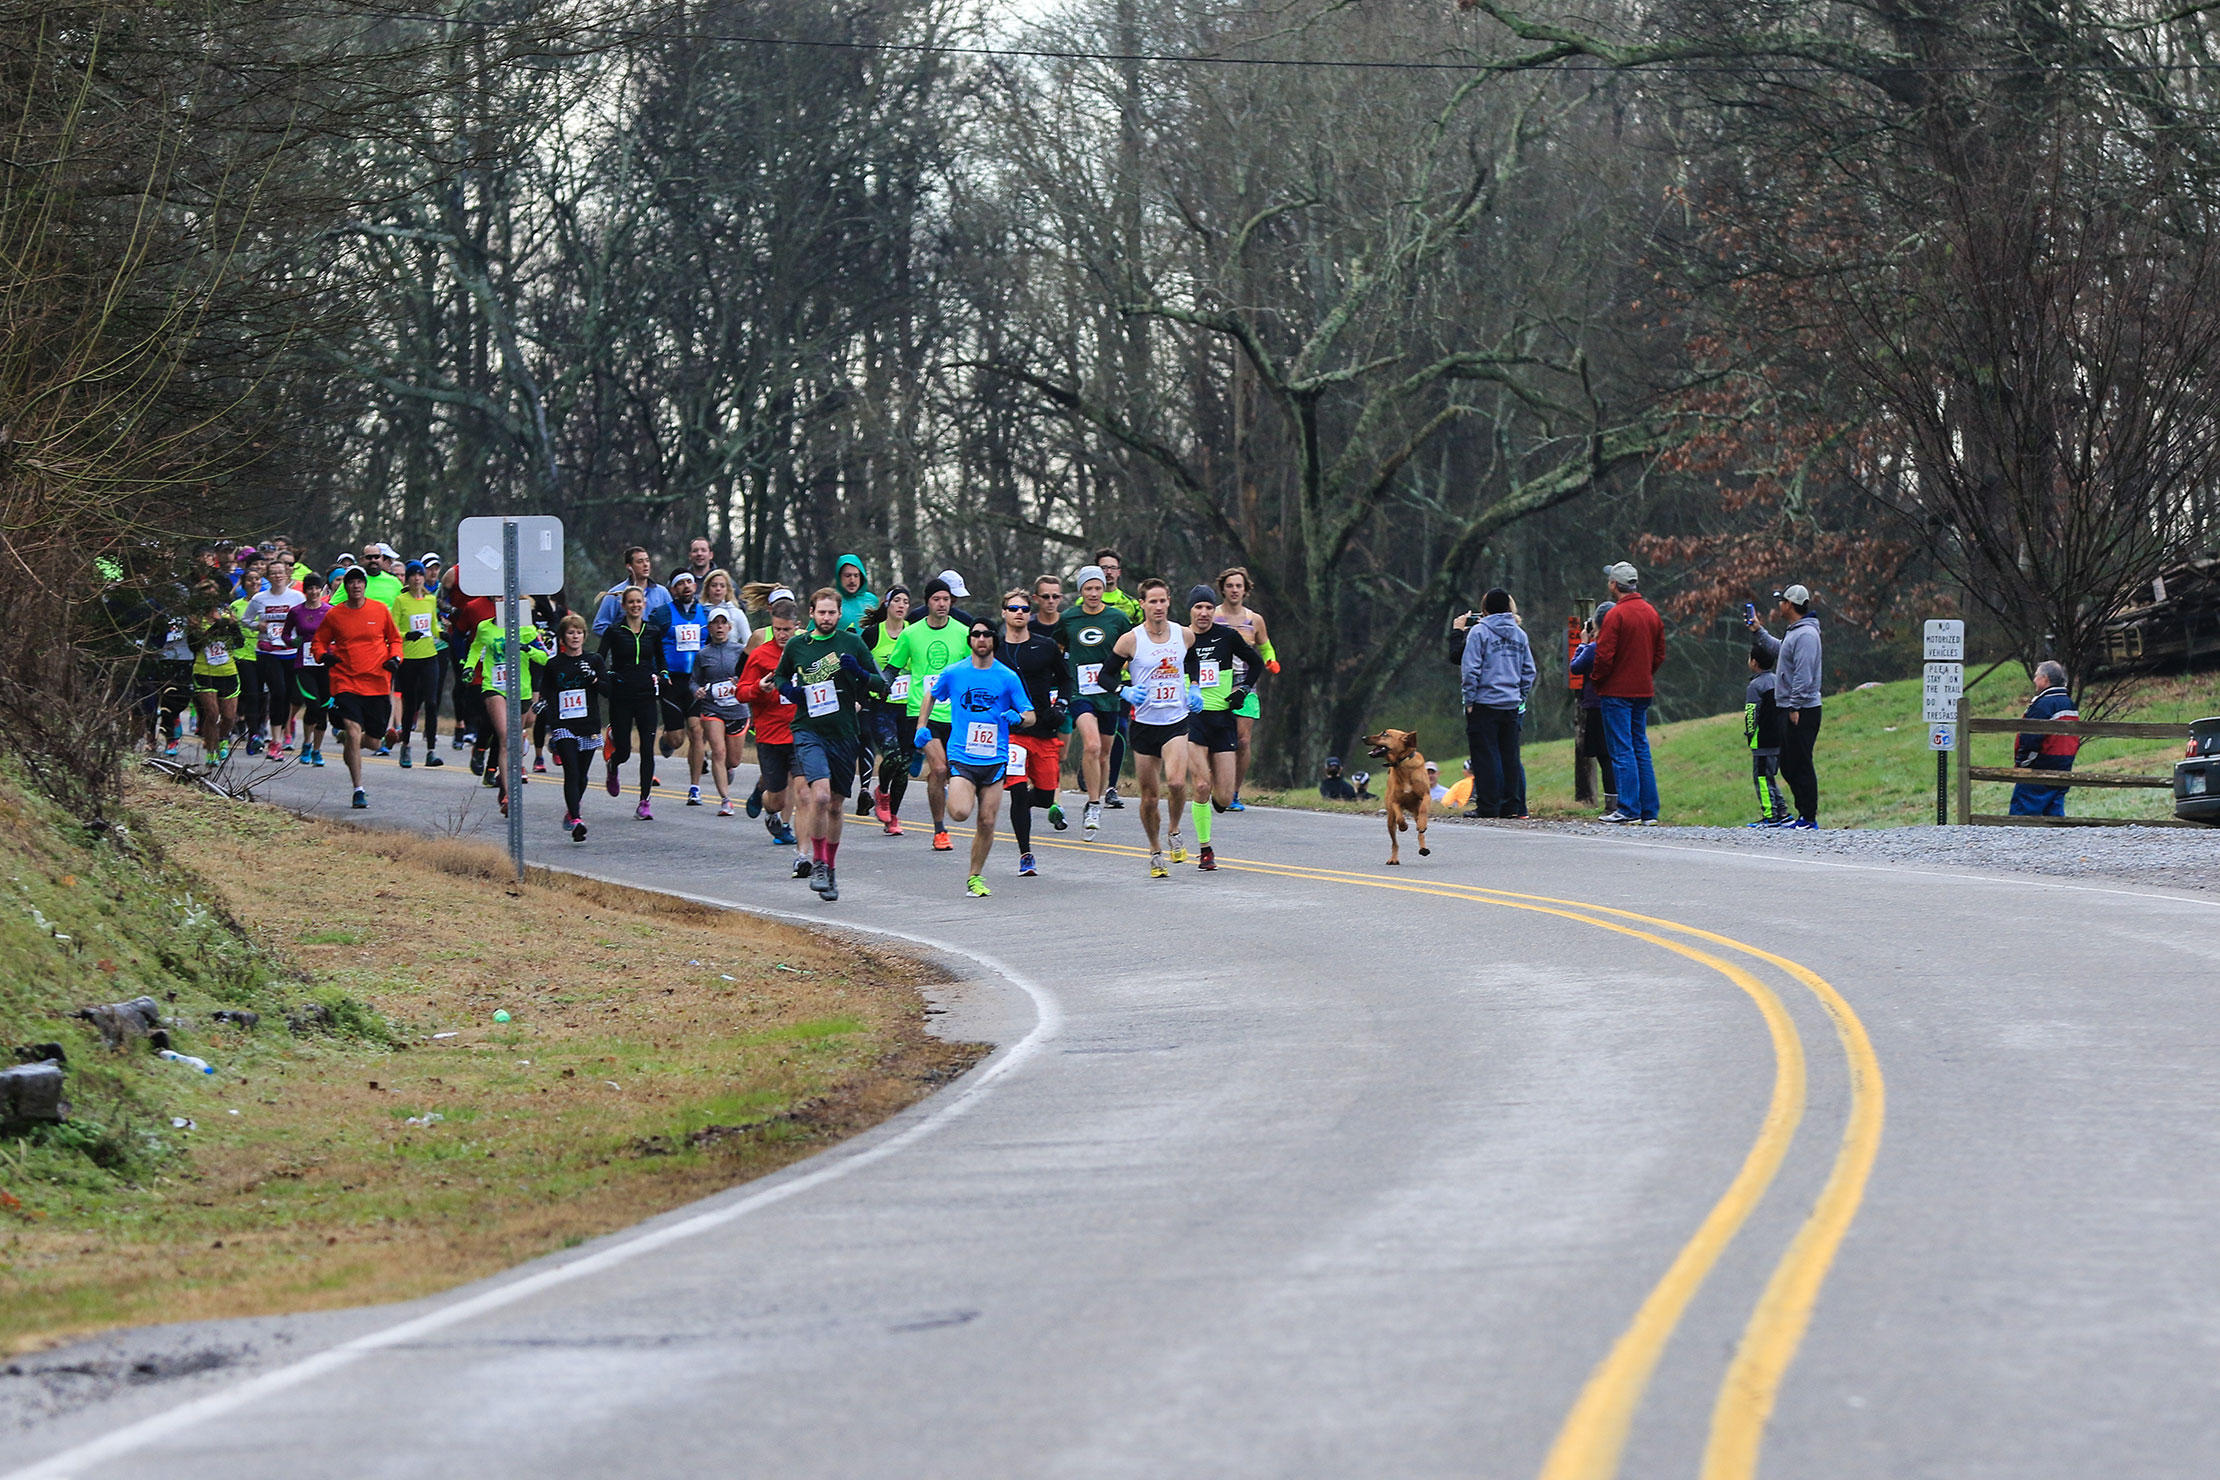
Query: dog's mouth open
{"points": [[1378, 752]]}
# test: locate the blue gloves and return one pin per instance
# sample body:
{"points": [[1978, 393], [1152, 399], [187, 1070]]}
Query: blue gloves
{"points": [[1134, 695], [920, 740], [791, 691], [849, 664], [1194, 700], [1013, 717]]}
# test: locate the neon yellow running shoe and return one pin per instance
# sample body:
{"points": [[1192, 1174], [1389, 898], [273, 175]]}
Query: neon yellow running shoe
{"points": [[1179, 849], [1156, 867], [976, 887]]}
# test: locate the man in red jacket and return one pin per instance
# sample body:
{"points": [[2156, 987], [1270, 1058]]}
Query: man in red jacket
{"points": [[1630, 647]]}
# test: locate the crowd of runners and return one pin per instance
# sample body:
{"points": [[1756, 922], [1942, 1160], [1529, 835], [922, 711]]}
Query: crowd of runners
{"points": [[838, 694]]}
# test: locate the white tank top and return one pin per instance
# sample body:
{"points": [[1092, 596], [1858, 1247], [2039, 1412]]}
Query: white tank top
{"points": [[1161, 668]]}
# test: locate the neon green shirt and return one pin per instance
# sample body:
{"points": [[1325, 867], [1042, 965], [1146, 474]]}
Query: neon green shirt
{"points": [[418, 619], [922, 654], [486, 651]]}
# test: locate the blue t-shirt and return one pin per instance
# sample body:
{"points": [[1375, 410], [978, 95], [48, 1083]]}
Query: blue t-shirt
{"points": [[682, 639], [979, 702]]}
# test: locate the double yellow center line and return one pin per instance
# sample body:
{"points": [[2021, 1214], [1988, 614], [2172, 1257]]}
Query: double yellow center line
{"points": [[1593, 1437]]}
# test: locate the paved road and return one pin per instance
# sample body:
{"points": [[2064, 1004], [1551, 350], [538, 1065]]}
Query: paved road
{"points": [[1316, 1168]]}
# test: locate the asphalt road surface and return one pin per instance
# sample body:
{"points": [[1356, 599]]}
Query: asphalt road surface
{"points": [[1542, 1156]]}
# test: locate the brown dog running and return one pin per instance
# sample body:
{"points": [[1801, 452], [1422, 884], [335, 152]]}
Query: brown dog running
{"points": [[1406, 790]]}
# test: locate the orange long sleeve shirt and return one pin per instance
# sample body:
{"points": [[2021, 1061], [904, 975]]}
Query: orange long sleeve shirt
{"points": [[356, 641]]}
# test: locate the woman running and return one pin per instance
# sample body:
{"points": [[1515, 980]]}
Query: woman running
{"points": [[719, 594], [488, 665], [547, 614], [889, 718], [632, 672], [717, 705], [311, 680], [416, 613], [572, 691], [273, 656], [216, 637]]}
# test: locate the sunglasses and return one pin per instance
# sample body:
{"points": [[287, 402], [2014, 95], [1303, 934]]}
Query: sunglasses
{"points": [[1014, 607], [979, 632]]}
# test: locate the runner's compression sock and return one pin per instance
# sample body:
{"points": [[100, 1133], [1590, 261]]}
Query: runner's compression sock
{"points": [[1201, 812], [832, 851], [1021, 817]]}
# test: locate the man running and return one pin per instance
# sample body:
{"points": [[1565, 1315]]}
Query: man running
{"points": [[610, 610], [1156, 651], [986, 699], [1037, 749], [1113, 569], [824, 671], [1217, 665], [923, 651], [687, 624], [359, 643], [773, 720], [1234, 611], [1094, 629]]}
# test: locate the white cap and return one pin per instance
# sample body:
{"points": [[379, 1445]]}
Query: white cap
{"points": [[778, 594], [1794, 595], [1621, 572], [955, 582], [1431, 766], [386, 550], [430, 557]]}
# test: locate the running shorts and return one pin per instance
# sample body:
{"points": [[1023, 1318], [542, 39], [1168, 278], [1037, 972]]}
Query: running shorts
{"points": [[942, 729], [222, 685], [374, 712], [981, 777], [1148, 739], [775, 763], [1044, 759], [820, 759], [1214, 730], [677, 695], [312, 681]]}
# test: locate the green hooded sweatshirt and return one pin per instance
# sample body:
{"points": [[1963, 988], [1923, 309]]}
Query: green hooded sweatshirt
{"points": [[853, 607]]}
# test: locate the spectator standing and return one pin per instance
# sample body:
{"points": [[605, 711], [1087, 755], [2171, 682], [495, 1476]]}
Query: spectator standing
{"points": [[2045, 752], [1761, 729], [1630, 648], [1796, 689], [1590, 743], [1497, 673]]}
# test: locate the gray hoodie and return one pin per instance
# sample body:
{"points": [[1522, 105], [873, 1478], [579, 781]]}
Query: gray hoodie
{"points": [[1795, 663], [1498, 667], [720, 662]]}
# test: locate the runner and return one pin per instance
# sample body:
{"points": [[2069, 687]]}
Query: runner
{"points": [[719, 594], [632, 679], [464, 614], [547, 615], [1048, 620], [889, 718], [986, 698], [273, 657], [1037, 748], [854, 587], [571, 687], [824, 671], [1161, 699], [380, 564], [1215, 668], [610, 609], [416, 613], [359, 642], [717, 707], [253, 708], [488, 664], [1095, 628], [773, 719], [924, 650], [1233, 611], [1113, 569], [217, 640], [311, 679], [687, 624]]}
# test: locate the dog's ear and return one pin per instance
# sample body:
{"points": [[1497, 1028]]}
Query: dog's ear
{"points": [[1410, 739]]}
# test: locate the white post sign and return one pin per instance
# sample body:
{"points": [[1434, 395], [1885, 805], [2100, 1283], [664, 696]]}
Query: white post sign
{"points": [[1940, 686], [1946, 641]]}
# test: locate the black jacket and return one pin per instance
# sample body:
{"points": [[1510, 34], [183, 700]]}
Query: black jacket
{"points": [[632, 662]]}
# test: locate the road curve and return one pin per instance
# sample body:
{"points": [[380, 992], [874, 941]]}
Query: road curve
{"points": [[1542, 1156]]}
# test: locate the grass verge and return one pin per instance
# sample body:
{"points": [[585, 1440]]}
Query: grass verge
{"points": [[402, 1141]]}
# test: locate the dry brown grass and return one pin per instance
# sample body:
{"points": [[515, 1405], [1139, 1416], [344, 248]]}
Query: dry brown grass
{"points": [[659, 1050]]}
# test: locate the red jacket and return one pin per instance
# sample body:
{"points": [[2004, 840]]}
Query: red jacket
{"points": [[773, 716], [1630, 648]]}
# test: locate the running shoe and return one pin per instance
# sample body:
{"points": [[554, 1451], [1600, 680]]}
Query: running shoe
{"points": [[941, 843], [881, 809], [169, 751], [1156, 867], [1025, 866], [693, 796], [755, 801], [431, 757], [783, 836], [1618, 817], [362, 800], [642, 812], [383, 750], [893, 827], [724, 808], [820, 876], [406, 762], [254, 745], [1179, 849], [307, 757], [539, 767], [1764, 822], [477, 761], [1056, 816], [1208, 863], [319, 754], [1799, 824], [1091, 819], [976, 887], [223, 751], [457, 742], [863, 804], [1651, 822], [1236, 805], [492, 776], [276, 752], [613, 781], [803, 869], [577, 830], [831, 891], [917, 764], [1113, 801]]}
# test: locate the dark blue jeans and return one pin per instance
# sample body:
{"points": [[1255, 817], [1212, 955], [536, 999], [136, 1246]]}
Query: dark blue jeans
{"points": [[2038, 801], [1627, 722]]}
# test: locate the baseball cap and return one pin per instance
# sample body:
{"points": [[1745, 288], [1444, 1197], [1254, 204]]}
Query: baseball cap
{"points": [[386, 550], [1432, 766], [429, 558], [955, 583], [1621, 572], [347, 557], [1794, 595], [1333, 760], [1090, 573]]}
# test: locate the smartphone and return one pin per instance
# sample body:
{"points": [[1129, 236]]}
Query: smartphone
{"points": [[1749, 611]]}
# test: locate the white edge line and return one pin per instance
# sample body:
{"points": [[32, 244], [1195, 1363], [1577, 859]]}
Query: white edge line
{"points": [[1048, 1021]]}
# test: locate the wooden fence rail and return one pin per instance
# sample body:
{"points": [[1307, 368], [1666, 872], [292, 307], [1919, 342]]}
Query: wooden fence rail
{"points": [[1968, 773]]}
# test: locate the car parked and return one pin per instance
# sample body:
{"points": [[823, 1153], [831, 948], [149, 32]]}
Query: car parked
{"points": [[2197, 776]]}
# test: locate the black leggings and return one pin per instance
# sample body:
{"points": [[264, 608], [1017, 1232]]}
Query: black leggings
{"points": [[470, 709], [631, 714], [274, 675], [543, 719], [1018, 800], [575, 759], [420, 694]]}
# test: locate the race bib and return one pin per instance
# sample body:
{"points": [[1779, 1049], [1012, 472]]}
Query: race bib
{"points": [[821, 698], [570, 704], [273, 628], [1090, 678], [723, 691], [1164, 691], [497, 677], [420, 624], [981, 737], [216, 654], [176, 633], [1016, 766], [898, 692], [1209, 676], [689, 636], [309, 658]]}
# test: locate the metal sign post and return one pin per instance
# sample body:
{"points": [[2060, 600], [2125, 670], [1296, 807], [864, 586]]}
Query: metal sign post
{"points": [[512, 558], [1942, 695]]}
